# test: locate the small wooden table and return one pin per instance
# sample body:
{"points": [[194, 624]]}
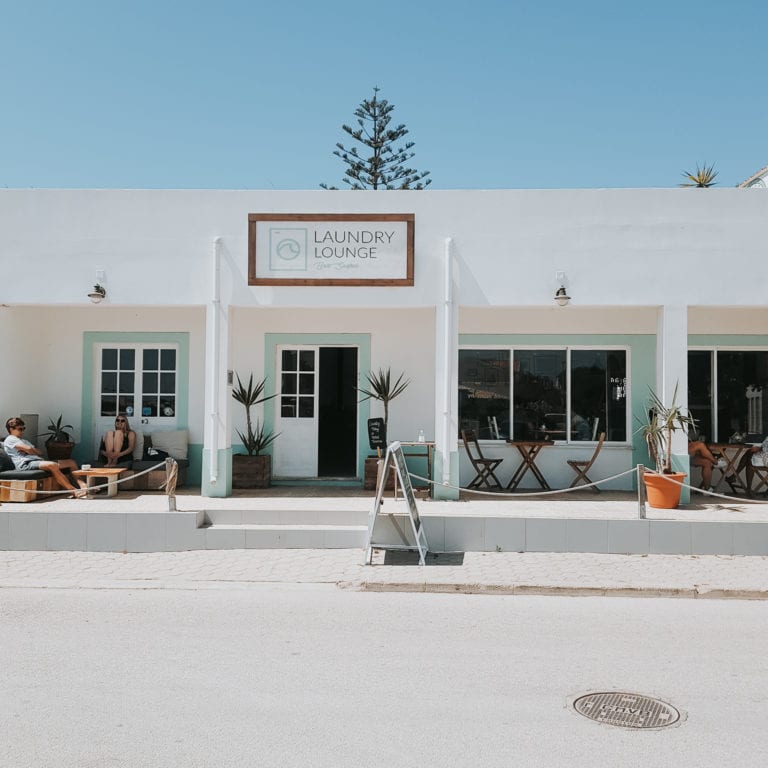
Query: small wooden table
{"points": [[429, 449], [529, 450], [732, 453], [91, 475]]}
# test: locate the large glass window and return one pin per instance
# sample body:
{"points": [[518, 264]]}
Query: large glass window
{"points": [[734, 405], [555, 394]]}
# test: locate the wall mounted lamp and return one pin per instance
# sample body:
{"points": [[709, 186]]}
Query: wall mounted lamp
{"points": [[561, 296], [98, 294]]}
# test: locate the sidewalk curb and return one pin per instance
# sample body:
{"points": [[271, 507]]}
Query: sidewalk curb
{"points": [[690, 593]]}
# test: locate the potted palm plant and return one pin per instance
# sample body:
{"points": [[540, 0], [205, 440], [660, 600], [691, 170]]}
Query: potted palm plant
{"points": [[59, 444], [383, 388], [663, 421], [252, 469]]}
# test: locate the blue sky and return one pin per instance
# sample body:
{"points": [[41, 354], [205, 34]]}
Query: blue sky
{"points": [[496, 94]]}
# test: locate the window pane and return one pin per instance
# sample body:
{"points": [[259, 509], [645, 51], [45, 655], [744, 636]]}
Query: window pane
{"points": [[126, 382], [615, 427], [700, 392], [124, 403], [150, 359], [290, 360], [109, 382], [288, 386], [484, 392], [149, 383], [306, 384], [306, 407], [288, 407], [149, 406], [742, 380], [167, 406], [539, 406], [168, 359], [127, 359], [109, 359], [168, 382], [589, 391], [108, 406], [307, 360]]}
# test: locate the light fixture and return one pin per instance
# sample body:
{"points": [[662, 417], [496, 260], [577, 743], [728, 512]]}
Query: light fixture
{"points": [[98, 294], [561, 296]]}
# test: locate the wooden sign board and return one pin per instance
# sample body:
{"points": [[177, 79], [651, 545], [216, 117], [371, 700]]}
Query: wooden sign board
{"points": [[384, 531]]}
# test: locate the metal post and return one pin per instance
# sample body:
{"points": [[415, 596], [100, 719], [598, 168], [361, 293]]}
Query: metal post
{"points": [[640, 492]]}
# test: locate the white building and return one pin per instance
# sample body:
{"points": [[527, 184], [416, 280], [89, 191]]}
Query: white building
{"points": [[667, 288]]}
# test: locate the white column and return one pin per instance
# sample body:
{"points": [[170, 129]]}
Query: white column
{"points": [[446, 467], [672, 372], [217, 450]]}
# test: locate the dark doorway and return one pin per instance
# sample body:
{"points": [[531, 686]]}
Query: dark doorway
{"points": [[337, 425]]}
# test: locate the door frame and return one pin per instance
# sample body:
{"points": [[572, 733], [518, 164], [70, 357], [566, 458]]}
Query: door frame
{"points": [[360, 340], [93, 338]]}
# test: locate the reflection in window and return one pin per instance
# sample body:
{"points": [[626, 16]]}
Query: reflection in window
{"points": [[736, 406], [538, 397]]}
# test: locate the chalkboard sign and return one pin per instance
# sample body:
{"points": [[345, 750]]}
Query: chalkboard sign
{"points": [[377, 435], [381, 532]]}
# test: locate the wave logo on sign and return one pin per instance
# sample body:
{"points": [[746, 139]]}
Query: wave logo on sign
{"points": [[288, 249]]}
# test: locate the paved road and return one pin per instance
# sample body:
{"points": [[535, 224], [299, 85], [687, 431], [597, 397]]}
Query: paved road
{"points": [[310, 675]]}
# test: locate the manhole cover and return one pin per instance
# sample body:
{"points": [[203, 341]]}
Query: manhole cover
{"points": [[628, 710]]}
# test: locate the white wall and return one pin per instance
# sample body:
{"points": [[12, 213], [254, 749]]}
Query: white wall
{"points": [[617, 247]]}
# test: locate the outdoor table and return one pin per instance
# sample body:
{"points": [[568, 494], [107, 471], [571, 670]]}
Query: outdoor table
{"points": [[732, 453], [428, 452], [528, 450], [109, 473]]}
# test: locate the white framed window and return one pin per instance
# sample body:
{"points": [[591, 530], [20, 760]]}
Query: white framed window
{"points": [[569, 393]]}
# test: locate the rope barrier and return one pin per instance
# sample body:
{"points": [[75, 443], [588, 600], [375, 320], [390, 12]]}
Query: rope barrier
{"points": [[517, 494], [742, 499], [65, 491]]}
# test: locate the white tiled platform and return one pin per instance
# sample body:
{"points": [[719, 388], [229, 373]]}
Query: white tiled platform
{"points": [[314, 518]]}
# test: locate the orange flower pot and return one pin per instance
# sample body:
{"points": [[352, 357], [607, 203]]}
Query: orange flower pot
{"points": [[661, 493]]}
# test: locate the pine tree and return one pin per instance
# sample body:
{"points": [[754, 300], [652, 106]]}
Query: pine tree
{"points": [[385, 167]]}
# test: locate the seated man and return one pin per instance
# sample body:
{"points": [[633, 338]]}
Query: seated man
{"points": [[702, 457], [24, 455]]}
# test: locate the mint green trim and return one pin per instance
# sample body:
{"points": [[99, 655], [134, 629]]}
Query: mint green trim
{"points": [[91, 339], [641, 374], [223, 486], [360, 340], [733, 341]]}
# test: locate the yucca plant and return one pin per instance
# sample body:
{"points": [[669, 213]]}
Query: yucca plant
{"points": [[382, 388], [256, 438], [663, 420], [704, 177]]}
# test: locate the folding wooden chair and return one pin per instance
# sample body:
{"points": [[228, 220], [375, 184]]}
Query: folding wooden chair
{"points": [[483, 467], [581, 467]]}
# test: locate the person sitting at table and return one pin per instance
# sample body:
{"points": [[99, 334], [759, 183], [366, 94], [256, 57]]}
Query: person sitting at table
{"points": [[24, 456], [702, 457], [754, 456], [116, 448]]}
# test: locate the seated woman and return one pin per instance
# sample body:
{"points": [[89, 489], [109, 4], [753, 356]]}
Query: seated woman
{"points": [[702, 457], [24, 455], [117, 445]]}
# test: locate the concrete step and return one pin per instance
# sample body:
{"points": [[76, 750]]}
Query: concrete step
{"points": [[290, 536], [295, 516]]}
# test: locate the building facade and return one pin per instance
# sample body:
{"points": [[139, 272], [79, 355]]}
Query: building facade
{"points": [[456, 289]]}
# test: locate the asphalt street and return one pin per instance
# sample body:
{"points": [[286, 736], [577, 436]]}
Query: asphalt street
{"points": [[310, 675]]}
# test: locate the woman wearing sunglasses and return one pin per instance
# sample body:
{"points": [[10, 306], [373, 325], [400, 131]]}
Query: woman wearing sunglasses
{"points": [[117, 445], [24, 455]]}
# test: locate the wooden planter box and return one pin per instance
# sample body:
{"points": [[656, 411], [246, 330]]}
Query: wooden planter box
{"points": [[371, 473], [251, 471]]}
